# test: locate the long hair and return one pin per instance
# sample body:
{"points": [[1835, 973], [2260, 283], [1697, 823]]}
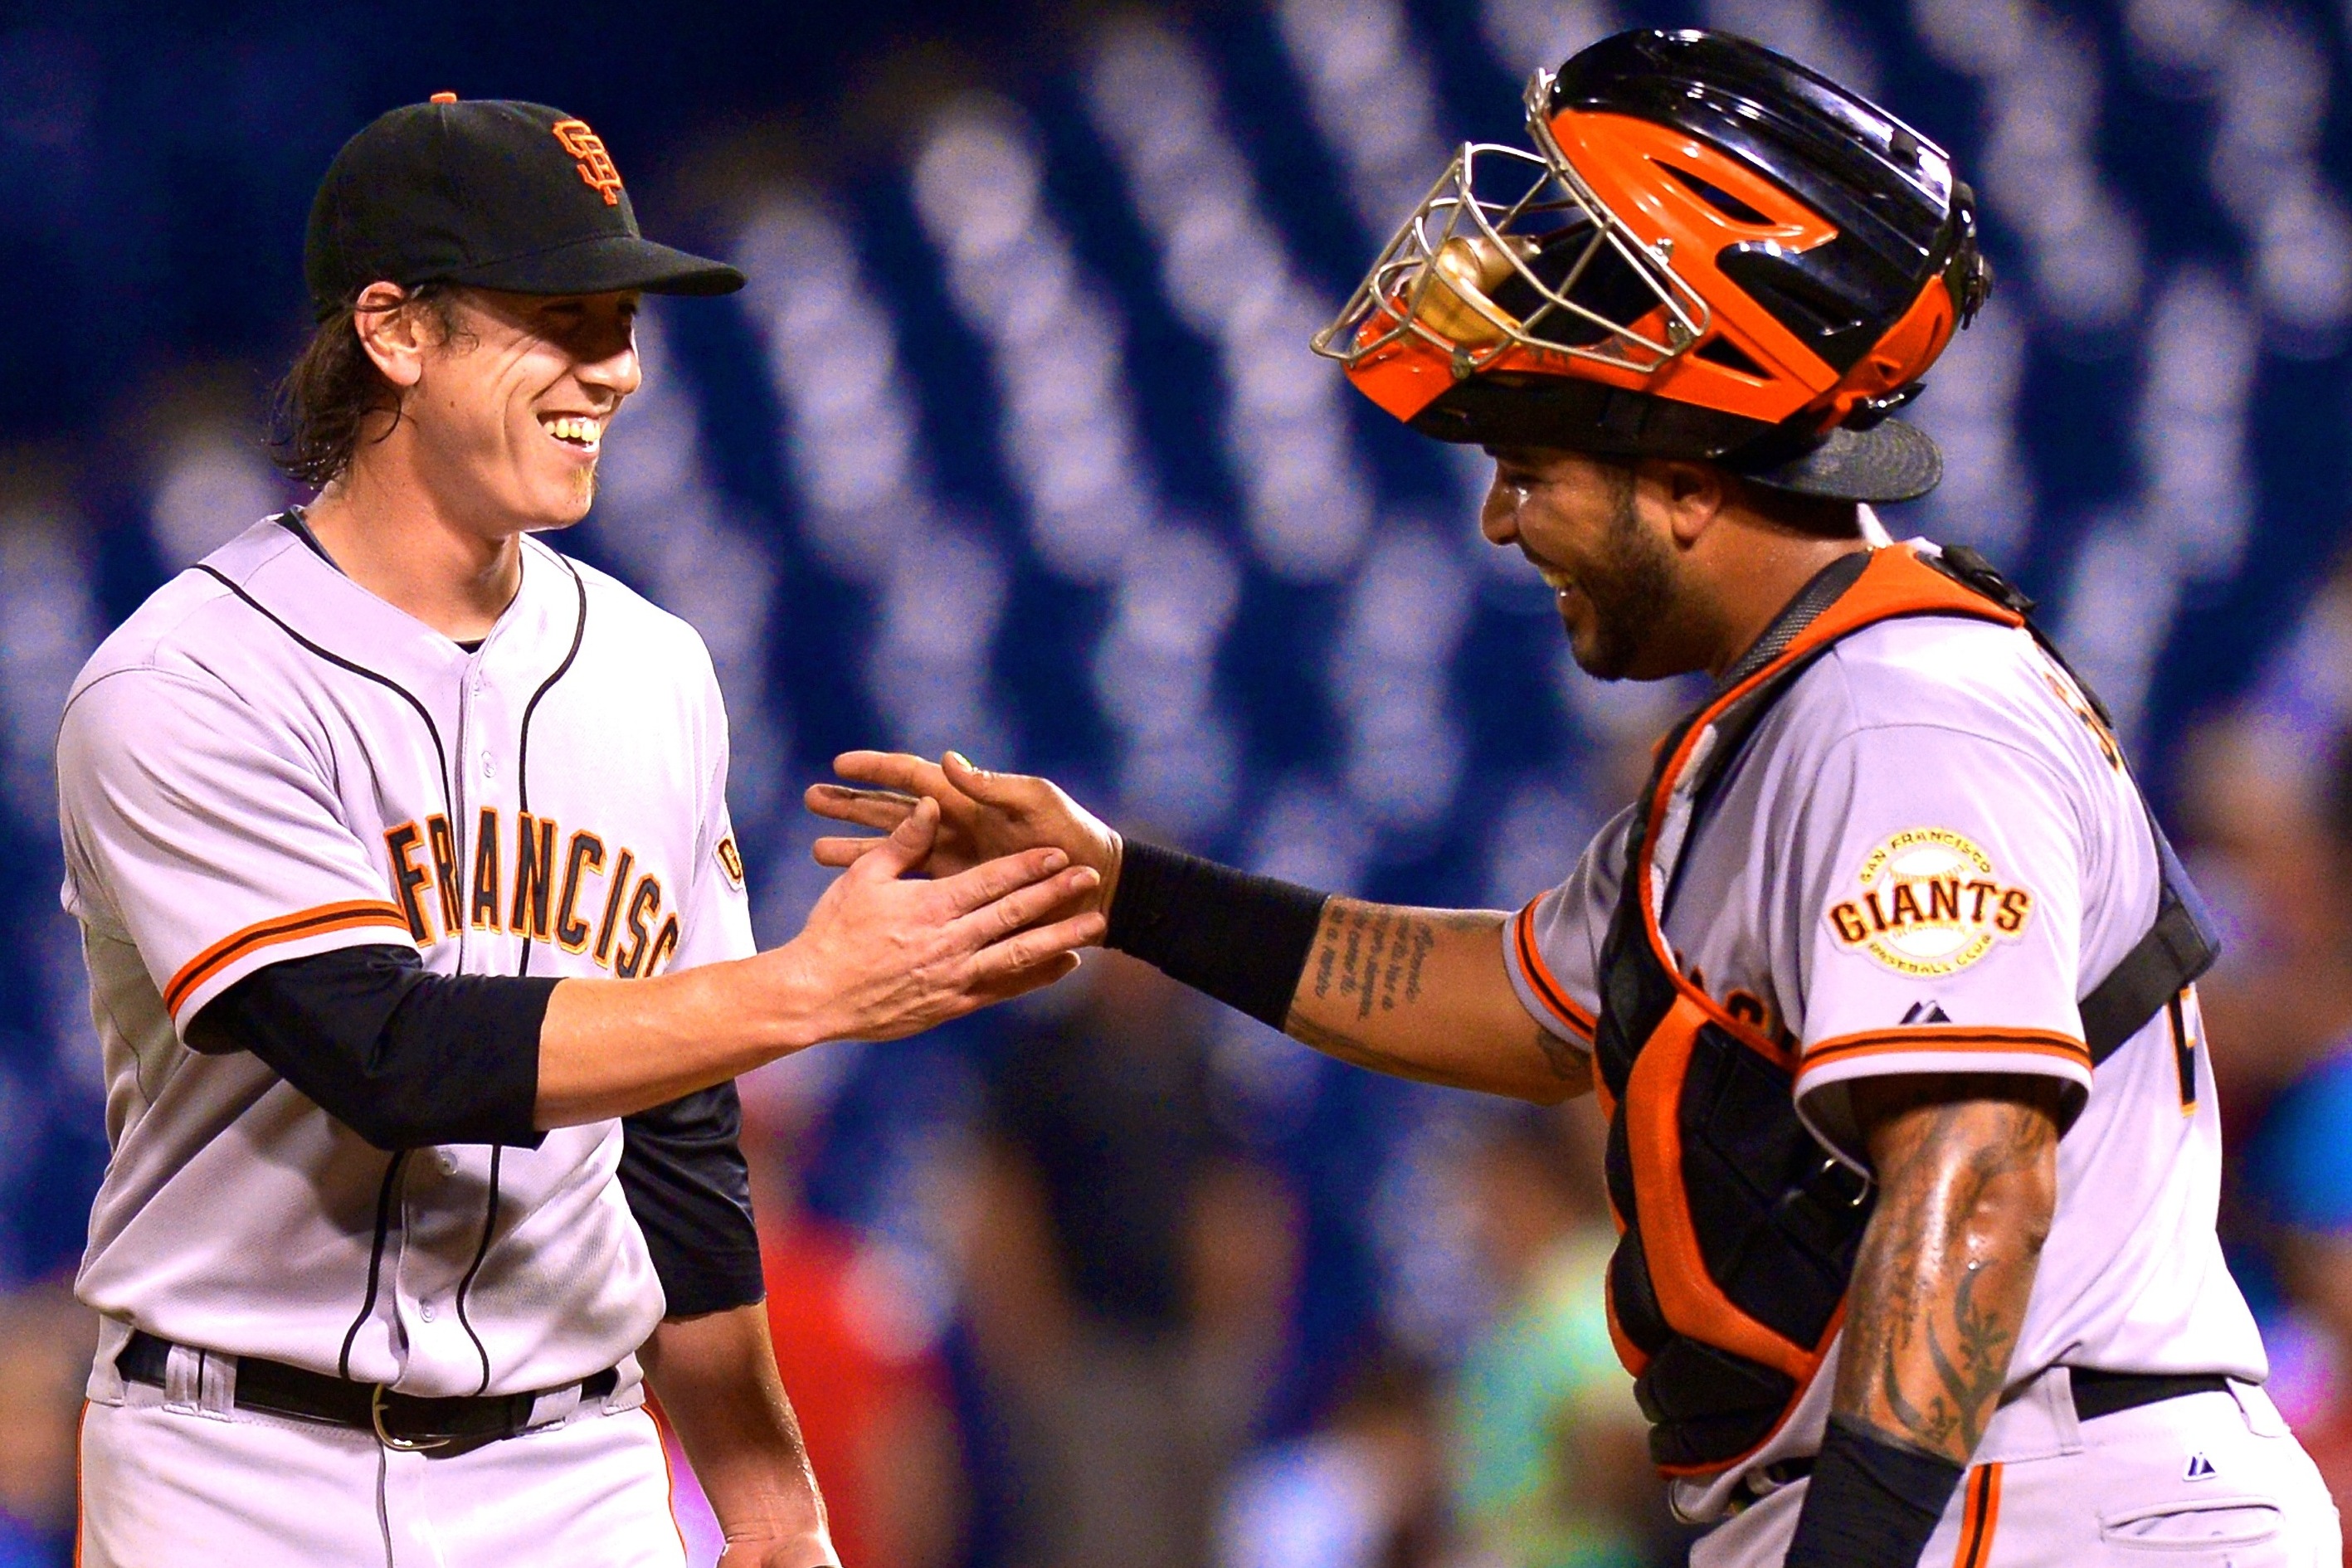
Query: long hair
{"points": [[322, 406]]}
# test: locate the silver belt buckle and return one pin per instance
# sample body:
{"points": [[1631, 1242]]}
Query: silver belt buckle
{"points": [[403, 1445]]}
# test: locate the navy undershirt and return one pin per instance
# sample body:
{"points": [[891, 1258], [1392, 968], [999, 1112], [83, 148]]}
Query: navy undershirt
{"points": [[410, 1060]]}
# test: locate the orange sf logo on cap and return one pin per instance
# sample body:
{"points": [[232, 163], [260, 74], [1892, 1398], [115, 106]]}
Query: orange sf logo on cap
{"points": [[596, 165]]}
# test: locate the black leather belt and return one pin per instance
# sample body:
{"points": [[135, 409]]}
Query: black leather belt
{"points": [[2096, 1394], [401, 1420]]}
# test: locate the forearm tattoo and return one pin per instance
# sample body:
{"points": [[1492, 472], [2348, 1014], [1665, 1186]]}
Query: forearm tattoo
{"points": [[1372, 960], [1372, 953], [1947, 1265]]}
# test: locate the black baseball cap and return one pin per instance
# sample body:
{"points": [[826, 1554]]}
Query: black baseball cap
{"points": [[492, 193]]}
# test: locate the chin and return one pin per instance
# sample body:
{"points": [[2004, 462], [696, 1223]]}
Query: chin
{"points": [[565, 506], [1600, 656]]}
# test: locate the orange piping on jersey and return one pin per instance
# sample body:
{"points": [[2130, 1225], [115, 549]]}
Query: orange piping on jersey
{"points": [[669, 1472], [2184, 1045], [269, 933], [1955, 1037], [1979, 1515], [1541, 979]]}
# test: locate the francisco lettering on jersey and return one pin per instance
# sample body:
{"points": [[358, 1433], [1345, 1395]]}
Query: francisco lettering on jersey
{"points": [[551, 897], [1930, 903]]}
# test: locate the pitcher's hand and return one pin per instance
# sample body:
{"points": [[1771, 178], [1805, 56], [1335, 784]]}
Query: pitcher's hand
{"points": [[982, 816], [893, 956]]}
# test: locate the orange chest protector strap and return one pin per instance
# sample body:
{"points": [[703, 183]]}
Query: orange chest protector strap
{"points": [[1737, 1233]]}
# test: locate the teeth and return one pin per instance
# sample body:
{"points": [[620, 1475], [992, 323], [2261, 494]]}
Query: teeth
{"points": [[577, 429]]}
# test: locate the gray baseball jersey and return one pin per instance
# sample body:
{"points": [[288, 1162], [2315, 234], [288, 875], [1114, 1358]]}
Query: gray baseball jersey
{"points": [[267, 762], [1929, 854]]}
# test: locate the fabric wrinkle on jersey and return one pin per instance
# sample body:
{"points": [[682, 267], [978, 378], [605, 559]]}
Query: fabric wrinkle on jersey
{"points": [[1914, 749], [272, 763]]}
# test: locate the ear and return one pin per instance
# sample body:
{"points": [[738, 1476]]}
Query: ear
{"points": [[392, 333], [1691, 494]]}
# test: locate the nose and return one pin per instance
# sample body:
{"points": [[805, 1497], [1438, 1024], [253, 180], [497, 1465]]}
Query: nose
{"points": [[1499, 517], [619, 372]]}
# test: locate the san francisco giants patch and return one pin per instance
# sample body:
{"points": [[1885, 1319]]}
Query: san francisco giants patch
{"points": [[1930, 903], [730, 862]]}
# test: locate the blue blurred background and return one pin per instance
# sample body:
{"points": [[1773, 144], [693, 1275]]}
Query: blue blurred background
{"points": [[1014, 444]]}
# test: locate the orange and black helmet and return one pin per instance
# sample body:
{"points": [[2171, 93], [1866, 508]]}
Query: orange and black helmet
{"points": [[1710, 252]]}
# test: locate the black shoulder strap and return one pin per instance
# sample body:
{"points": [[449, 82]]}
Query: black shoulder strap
{"points": [[2182, 945]]}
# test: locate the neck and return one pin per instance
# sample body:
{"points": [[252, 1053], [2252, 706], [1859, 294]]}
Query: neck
{"points": [[393, 536], [1754, 569]]}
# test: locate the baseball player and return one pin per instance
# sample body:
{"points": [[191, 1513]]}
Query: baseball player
{"points": [[1885, 981], [419, 948]]}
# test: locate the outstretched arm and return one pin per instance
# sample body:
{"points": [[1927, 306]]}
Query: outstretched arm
{"points": [[883, 956], [1419, 993], [1967, 1173]]}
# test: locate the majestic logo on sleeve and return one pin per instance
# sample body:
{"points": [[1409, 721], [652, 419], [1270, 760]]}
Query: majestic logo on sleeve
{"points": [[1930, 903]]}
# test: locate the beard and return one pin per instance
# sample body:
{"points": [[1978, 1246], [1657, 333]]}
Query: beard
{"points": [[1628, 586]]}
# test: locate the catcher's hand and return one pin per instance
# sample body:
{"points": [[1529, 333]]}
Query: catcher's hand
{"points": [[982, 816]]}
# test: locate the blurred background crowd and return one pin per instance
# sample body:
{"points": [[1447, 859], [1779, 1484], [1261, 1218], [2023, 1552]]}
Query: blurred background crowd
{"points": [[1014, 444]]}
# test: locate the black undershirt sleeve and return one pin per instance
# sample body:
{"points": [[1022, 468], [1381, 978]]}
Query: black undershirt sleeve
{"points": [[404, 1058], [682, 1171], [409, 1060]]}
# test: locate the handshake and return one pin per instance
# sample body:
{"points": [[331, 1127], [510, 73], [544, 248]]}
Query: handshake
{"points": [[1019, 876]]}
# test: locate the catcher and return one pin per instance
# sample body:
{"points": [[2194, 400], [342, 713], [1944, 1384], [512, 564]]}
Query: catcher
{"points": [[1885, 982]]}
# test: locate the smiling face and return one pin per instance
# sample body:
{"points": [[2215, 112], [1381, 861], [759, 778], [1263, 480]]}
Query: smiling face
{"points": [[1578, 522], [508, 414]]}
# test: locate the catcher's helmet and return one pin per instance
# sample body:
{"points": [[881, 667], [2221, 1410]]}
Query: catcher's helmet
{"points": [[1711, 253]]}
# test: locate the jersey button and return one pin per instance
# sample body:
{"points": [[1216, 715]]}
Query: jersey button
{"points": [[425, 1310], [490, 766], [449, 1165]]}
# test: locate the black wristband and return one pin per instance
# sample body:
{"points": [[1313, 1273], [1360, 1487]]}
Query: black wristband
{"points": [[1871, 1503], [1241, 939]]}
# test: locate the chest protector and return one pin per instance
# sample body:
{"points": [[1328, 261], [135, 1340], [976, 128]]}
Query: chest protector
{"points": [[1737, 1235]]}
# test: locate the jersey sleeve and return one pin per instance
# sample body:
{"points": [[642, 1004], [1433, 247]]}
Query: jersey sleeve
{"points": [[1552, 947], [1940, 898], [209, 837], [688, 1188]]}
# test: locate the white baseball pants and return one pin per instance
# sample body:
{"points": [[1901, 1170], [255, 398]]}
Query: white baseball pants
{"points": [[164, 1485], [2201, 1481]]}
